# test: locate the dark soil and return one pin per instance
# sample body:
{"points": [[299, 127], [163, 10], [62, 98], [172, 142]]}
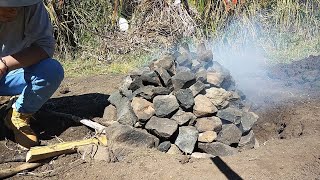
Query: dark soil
{"points": [[288, 131]]}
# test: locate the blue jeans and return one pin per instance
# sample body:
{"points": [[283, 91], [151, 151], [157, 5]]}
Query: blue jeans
{"points": [[35, 84]]}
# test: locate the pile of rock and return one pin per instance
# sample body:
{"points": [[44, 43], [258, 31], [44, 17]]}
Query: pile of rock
{"points": [[183, 102]]}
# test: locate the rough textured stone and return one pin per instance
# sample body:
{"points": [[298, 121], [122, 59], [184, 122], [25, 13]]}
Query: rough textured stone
{"points": [[229, 134], [217, 149], [215, 78], [230, 114], [208, 124], [125, 114], [195, 65], [136, 83], [165, 105], [149, 92], [206, 56], [166, 62], [174, 150], [142, 108], [183, 118], [196, 88], [187, 138], [115, 98], [184, 60], [247, 141], [110, 113], [182, 79], [164, 76], [185, 98], [131, 136], [164, 146], [218, 96], [150, 78], [203, 106], [201, 75], [208, 136], [247, 121], [199, 155], [161, 127]]}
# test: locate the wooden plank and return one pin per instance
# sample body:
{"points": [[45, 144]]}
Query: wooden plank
{"points": [[44, 152]]}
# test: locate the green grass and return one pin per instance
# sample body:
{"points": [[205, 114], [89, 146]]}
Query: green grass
{"points": [[121, 65]]}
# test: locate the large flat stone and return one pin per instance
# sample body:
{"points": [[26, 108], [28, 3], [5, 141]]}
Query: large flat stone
{"points": [[162, 127], [229, 134], [187, 138], [165, 105], [217, 149], [131, 136], [230, 114], [149, 92], [183, 79]]}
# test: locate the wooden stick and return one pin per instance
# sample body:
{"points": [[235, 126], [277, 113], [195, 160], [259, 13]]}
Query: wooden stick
{"points": [[94, 125], [43, 152], [13, 171]]}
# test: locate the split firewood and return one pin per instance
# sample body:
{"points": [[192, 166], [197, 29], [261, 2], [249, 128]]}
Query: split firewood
{"points": [[5, 173], [87, 122], [43, 152]]}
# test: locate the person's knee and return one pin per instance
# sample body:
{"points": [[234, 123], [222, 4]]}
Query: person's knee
{"points": [[52, 72]]}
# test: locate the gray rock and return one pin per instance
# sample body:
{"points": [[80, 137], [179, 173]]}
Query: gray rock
{"points": [[230, 114], [217, 149], [166, 62], [195, 66], [182, 117], [247, 121], [131, 136], [184, 60], [125, 114], [115, 98], [187, 138], [164, 76], [199, 155], [218, 96], [161, 127], [150, 78], [174, 150], [205, 56], [164, 146], [201, 75], [185, 98], [149, 92], [183, 79], [196, 88], [143, 109], [165, 105], [229, 134], [208, 136], [110, 113], [203, 106], [247, 142], [136, 83]]}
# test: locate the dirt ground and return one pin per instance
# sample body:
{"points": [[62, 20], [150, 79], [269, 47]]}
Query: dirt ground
{"points": [[288, 132]]}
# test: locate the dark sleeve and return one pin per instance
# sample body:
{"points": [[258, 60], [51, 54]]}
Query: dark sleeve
{"points": [[38, 28]]}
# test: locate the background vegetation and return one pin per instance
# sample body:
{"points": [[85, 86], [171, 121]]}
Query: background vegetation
{"points": [[88, 37]]}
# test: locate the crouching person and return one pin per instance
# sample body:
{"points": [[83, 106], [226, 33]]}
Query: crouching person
{"points": [[26, 66]]}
